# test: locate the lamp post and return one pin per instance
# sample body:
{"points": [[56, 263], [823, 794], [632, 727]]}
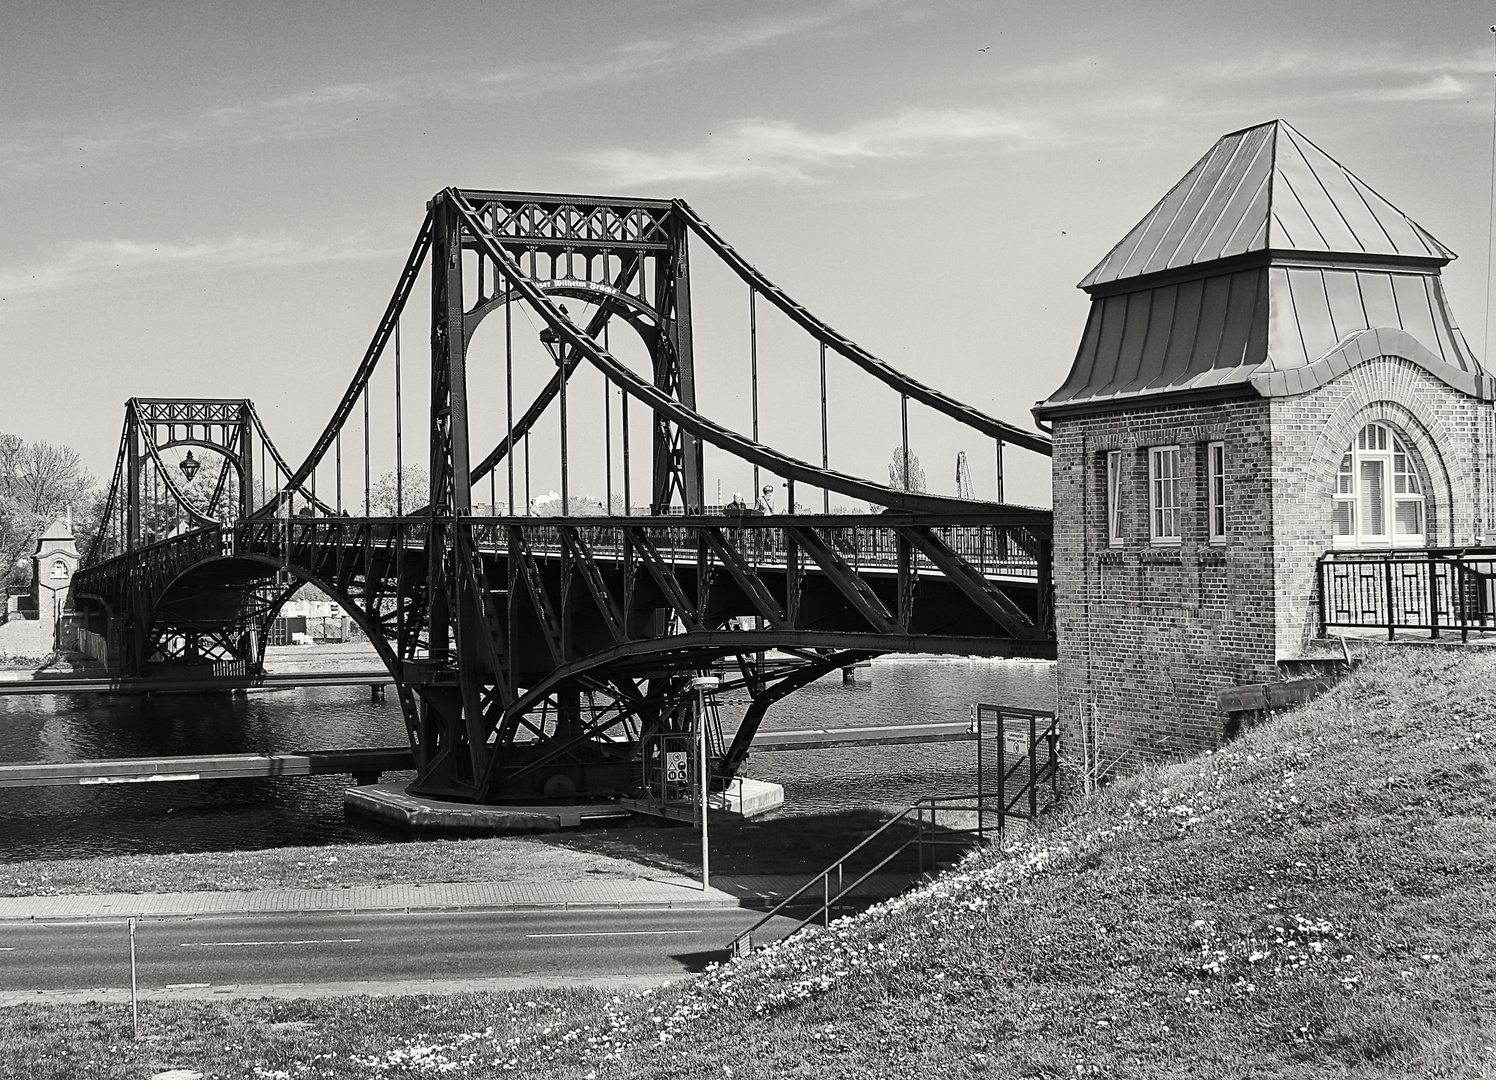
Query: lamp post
{"points": [[553, 344], [701, 684]]}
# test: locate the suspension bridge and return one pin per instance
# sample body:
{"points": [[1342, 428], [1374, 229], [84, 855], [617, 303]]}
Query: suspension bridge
{"points": [[535, 655]]}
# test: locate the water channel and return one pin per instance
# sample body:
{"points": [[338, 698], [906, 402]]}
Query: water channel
{"points": [[68, 822]]}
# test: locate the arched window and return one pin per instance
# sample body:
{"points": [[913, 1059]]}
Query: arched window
{"points": [[1378, 496], [59, 569]]}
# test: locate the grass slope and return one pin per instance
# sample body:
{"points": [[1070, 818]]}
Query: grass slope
{"points": [[1317, 899]]}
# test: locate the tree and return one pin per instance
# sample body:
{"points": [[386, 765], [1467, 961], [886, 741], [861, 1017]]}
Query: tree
{"points": [[39, 482], [413, 491], [200, 489], [549, 505], [914, 481]]}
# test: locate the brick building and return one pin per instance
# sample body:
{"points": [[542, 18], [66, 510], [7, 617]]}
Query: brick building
{"points": [[1269, 370]]}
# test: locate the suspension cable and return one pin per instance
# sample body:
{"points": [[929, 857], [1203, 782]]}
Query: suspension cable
{"points": [[399, 434], [753, 373], [509, 382], [366, 450], [825, 453], [607, 432]]}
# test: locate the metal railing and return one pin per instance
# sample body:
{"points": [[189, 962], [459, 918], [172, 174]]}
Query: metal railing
{"points": [[1432, 589], [928, 832]]}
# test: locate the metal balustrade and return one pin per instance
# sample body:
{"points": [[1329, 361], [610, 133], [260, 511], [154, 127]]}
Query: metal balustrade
{"points": [[1432, 589]]}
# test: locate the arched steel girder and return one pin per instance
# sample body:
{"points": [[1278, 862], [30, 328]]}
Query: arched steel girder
{"points": [[153, 449], [703, 646], [206, 444], [674, 411], [372, 629], [624, 304], [609, 300], [695, 650]]}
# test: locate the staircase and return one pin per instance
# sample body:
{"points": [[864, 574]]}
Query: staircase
{"points": [[968, 822]]}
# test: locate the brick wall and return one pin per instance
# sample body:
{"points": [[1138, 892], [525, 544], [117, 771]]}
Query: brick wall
{"points": [[1448, 433], [1148, 633]]}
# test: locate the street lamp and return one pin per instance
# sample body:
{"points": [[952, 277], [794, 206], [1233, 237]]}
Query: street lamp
{"points": [[189, 466], [701, 684], [557, 348]]}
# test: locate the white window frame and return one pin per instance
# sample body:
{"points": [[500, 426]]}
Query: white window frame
{"points": [[1164, 510], [1378, 445], [1215, 486], [1114, 529]]}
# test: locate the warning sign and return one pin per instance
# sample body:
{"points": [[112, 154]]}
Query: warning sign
{"points": [[677, 767]]}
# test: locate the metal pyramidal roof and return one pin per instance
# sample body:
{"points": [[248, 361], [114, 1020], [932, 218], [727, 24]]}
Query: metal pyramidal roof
{"points": [[1269, 270], [1265, 188]]}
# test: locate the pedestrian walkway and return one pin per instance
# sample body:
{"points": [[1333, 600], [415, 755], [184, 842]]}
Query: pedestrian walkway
{"points": [[754, 891]]}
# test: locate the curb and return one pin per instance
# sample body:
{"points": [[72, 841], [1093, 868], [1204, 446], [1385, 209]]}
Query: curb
{"points": [[422, 909], [747, 903]]}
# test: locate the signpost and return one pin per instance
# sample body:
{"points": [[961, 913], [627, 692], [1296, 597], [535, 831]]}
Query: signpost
{"points": [[701, 684]]}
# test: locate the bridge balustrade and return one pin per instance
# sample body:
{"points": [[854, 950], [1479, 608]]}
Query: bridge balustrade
{"points": [[993, 550]]}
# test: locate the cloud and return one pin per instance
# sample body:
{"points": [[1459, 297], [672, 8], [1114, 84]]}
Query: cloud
{"points": [[307, 114], [781, 150], [325, 110], [646, 57], [293, 116], [94, 261], [1436, 88]]}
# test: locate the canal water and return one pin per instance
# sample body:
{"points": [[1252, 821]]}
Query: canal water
{"points": [[248, 814]]}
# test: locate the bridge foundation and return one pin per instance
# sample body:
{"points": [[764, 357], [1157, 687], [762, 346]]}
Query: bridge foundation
{"points": [[392, 806]]}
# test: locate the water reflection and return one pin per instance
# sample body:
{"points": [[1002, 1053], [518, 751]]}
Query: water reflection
{"points": [[899, 692], [249, 814]]}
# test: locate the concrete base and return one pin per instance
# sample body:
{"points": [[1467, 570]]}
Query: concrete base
{"points": [[742, 798], [750, 798], [388, 804]]}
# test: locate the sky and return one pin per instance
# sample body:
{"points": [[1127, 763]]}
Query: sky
{"points": [[215, 199]]}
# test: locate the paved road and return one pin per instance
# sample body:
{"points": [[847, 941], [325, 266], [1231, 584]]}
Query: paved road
{"points": [[548, 946]]}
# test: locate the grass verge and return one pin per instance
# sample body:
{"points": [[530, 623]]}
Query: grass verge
{"points": [[1318, 899]]}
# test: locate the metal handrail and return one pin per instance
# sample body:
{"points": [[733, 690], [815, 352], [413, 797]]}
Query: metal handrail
{"points": [[743, 943], [1395, 589]]}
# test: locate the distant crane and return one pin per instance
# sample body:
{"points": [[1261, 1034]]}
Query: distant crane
{"points": [[963, 476]]}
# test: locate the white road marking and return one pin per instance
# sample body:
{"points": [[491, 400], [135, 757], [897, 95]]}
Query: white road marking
{"points": [[248, 944], [614, 933], [186, 986], [9, 948]]}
